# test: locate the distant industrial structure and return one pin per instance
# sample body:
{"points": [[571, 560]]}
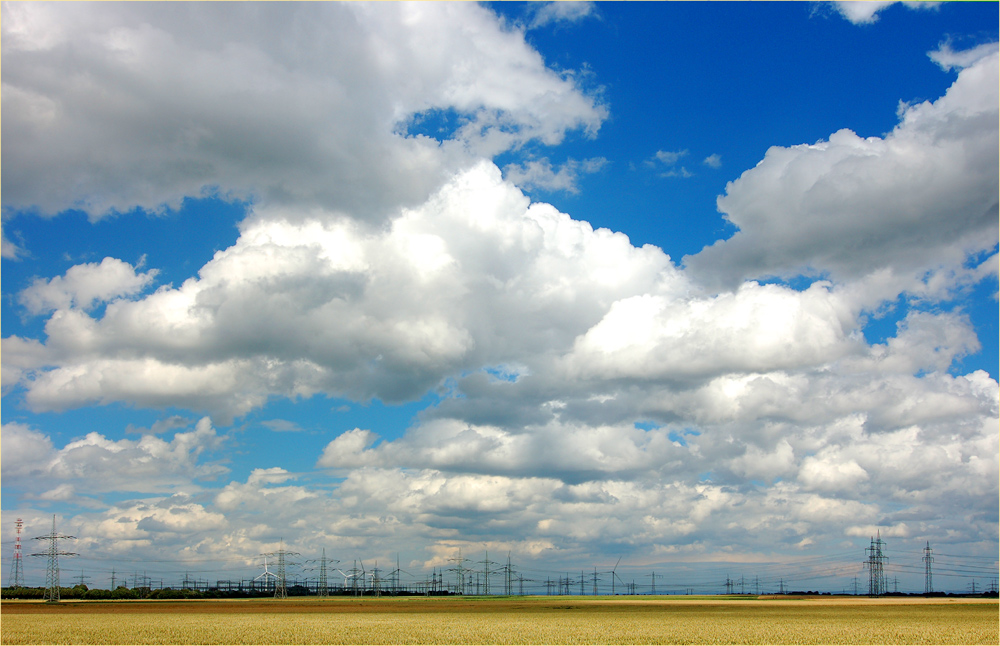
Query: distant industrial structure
{"points": [[477, 577]]}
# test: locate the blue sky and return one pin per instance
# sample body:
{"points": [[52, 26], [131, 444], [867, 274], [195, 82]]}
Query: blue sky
{"points": [[699, 286]]}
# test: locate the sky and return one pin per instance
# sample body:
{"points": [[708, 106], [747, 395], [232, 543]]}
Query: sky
{"points": [[687, 291]]}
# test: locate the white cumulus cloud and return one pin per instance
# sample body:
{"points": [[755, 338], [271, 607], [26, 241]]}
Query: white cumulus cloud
{"points": [[546, 13], [109, 108], [150, 464], [344, 311], [85, 285], [917, 202], [861, 12], [541, 174]]}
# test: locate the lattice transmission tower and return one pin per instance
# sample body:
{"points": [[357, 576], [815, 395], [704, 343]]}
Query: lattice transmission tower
{"points": [[281, 588], [280, 581], [460, 570], [323, 587], [876, 567], [53, 553], [16, 577], [486, 571], [508, 571], [928, 559]]}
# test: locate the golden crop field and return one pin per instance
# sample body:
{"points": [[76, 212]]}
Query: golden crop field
{"points": [[522, 620]]}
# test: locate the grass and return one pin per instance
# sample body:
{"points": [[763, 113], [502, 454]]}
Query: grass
{"points": [[513, 620]]}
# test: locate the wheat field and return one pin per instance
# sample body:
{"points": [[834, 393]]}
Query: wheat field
{"points": [[533, 620]]}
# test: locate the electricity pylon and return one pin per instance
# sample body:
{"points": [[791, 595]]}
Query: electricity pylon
{"points": [[82, 578], [376, 580], [16, 577], [53, 553], [460, 569], [928, 559], [486, 572], [280, 587], [508, 573], [322, 591], [394, 576], [323, 585], [876, 567]]}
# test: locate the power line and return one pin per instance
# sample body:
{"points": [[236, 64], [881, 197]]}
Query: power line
{"points": [[992, 559]]}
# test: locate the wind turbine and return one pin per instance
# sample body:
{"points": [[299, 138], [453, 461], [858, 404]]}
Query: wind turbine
{"points": [[346, 577], [614, 575], [266, 573], [364, 575], [354, 577]]}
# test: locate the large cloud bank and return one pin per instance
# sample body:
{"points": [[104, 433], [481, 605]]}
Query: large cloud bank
{"points": [[593, 392], [273, 103]]}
